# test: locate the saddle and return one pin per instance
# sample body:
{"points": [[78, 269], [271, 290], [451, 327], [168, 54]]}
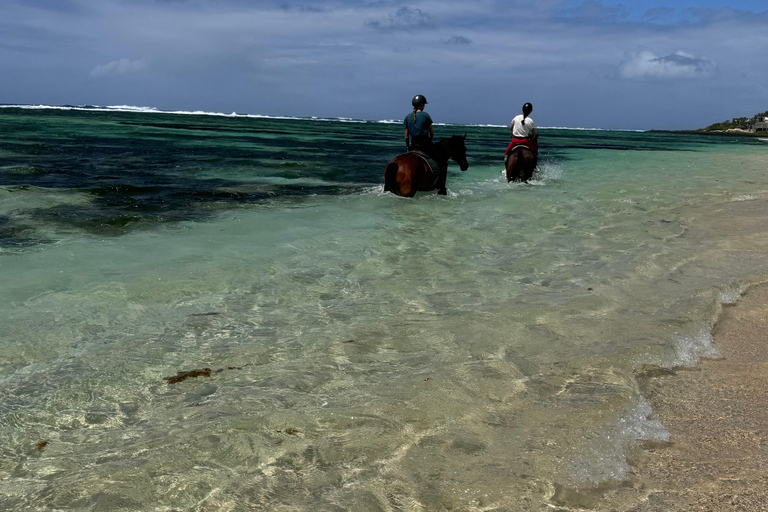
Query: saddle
{"points": [[431, 163], [517, 146]]}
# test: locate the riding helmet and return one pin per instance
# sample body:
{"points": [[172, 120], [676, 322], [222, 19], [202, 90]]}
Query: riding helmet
{"points": [[527, 108], [418, 100]]}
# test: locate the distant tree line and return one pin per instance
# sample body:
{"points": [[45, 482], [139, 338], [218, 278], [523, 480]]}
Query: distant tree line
{"points": [[756, 122]]}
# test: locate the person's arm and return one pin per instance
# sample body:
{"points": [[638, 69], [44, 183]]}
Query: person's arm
{"points": [[431, 133], [512, 127], [407, 146], [533, 133]]}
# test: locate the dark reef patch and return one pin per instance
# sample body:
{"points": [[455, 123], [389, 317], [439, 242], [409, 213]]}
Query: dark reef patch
{"points": [[143, 170]]}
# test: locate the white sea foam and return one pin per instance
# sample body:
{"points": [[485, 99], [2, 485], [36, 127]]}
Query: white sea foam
{"points": [[689, 348], [603, 457], [641, 422], [588, 129], [154, 110], [730, 295], [487, 125]]}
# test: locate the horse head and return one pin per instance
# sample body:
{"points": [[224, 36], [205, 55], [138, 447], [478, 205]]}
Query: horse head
{"points": [[458, 151]]}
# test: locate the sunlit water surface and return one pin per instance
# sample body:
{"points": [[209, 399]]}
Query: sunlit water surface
{"points": [[366, 352]]}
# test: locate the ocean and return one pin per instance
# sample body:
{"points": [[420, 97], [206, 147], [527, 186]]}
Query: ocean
{"points": [[353, 350]]}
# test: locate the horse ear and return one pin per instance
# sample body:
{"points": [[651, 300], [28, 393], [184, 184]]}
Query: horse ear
{"points": [[465, 136]]}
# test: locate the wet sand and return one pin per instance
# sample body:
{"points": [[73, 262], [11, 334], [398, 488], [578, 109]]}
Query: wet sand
{"points": [[717, 414]]}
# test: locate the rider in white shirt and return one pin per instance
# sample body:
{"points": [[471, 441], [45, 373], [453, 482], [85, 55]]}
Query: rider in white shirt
{"points": [[523, 132]]}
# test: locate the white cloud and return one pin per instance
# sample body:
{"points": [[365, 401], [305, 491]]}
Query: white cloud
{"points": [[458, 40], [645, 65], [119, 67], [405, 19]]}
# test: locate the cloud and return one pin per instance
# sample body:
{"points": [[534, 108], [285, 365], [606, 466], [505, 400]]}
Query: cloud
{"points": [[119, 67], [645, 65], [284, 57], [405, 19], [708, 16], [659, 14], [458, 40], [304, 8], [596, 12]]}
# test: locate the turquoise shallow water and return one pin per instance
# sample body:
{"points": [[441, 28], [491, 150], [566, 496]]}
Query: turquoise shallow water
{"points": [[367, 352]]}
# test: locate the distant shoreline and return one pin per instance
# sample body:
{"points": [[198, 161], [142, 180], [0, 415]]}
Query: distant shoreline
{"points": [[733, 132]]}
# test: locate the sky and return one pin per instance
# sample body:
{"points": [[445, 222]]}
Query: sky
{"points": [[611, 64]]}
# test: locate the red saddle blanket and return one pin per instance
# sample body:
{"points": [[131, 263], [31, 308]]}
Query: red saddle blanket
{"points": [[521, 142]]}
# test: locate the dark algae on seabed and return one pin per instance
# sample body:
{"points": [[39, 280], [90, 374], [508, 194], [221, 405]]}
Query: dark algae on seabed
{"points": [[140, 170]]}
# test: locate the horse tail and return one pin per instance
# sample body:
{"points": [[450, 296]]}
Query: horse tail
{"points": [[390, 177], [518, 156]]}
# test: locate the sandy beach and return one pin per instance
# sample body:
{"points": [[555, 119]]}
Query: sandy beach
{"points": [[717, 455]]}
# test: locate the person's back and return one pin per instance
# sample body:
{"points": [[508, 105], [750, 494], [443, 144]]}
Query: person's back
{"points": [[522, 126], [418, 126], [523, 132]]}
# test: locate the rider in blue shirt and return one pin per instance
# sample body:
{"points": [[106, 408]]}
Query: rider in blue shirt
{"points": [[418, 126], [419, 135]]}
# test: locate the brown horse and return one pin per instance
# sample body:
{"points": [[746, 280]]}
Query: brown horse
{"points": [[521, 163], [408, 173]]}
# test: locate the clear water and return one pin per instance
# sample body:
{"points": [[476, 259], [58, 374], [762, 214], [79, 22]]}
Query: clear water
{"points": [[367, 352]]}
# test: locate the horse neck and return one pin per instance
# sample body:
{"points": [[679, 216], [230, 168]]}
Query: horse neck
{"points": [[444, 150]]}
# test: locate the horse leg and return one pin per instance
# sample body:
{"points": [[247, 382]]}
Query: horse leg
{"points": [[512, 162], [398, 179], [530, 167], [525, 163], [442, 176], [405, 185], [390, 178]]}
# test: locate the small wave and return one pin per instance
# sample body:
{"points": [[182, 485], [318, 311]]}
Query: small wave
{"points": [[690, 348], [639, 421], [487, 125], [730, 295], [540, 178], [602, 457], [124, 108], [154, 110], [588, 129], [738, 199], [377, 190]]}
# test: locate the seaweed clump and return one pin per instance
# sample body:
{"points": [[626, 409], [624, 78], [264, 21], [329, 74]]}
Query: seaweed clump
{"points": [[182, 376], [203, 372]]}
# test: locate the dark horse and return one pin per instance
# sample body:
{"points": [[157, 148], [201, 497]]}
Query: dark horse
{"points": [[408, 173], [521, 163]]}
